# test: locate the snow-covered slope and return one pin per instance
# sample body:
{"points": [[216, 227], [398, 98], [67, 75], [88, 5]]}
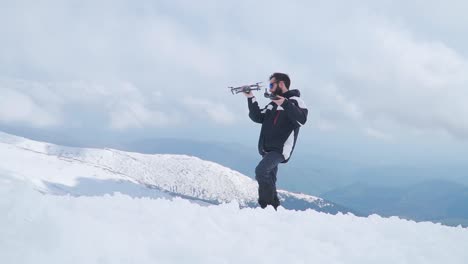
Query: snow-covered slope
{"points": [[80, 171], [51, 229], [96, 225]]}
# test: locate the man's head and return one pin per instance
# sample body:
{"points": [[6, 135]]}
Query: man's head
{"points": [[279, 83]]}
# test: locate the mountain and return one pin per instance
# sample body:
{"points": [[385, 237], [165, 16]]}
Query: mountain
{"points": [[241, 158], [87, 171], [307, 172], [432, 200], [310, 170]]}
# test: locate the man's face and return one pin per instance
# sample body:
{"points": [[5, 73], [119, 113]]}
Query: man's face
{"points": [[273, 85]]}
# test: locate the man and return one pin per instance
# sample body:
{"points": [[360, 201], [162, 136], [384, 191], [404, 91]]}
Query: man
{"points": [[281, 120]]}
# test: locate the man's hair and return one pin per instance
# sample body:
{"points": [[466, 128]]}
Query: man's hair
{"points": [[281, 77]]}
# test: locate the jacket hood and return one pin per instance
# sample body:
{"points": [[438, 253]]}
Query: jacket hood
{"points": [[291, 93]]}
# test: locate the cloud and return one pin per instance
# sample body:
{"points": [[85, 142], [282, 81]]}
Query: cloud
{"points": [[325, 125], [204, 108], [415, 83], [377, 134], [129, 108], [19, 108], [136, 116], [143, 65], [122, 104]]}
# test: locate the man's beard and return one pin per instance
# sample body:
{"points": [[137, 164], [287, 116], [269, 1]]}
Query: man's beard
{"points": [[277, 91]]}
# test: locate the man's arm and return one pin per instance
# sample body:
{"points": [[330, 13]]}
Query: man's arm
{"points": [[296, 110], [255, 113]]}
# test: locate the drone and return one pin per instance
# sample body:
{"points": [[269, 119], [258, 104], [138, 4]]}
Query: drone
{"points": [[246, 88], [252, 87]]}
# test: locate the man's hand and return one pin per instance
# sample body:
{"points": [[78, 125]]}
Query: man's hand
{"points": [[280, 101], [249, 94]]}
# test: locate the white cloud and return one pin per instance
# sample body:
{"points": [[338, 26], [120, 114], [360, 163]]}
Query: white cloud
{"points": [[377, 134], [204, 108], [416, 83], [45, 104], [136, 116], [16, 107], [357, 64], [325, 125]]}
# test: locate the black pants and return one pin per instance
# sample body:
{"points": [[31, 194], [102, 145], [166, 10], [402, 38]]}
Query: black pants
{"points": [[265, 174]]}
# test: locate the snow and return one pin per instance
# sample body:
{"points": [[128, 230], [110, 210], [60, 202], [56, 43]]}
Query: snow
{"points": [[118, 228], [105, 213], [60, 169]]}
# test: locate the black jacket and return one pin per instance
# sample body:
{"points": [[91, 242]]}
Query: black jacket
{"points": [[280, 124]]}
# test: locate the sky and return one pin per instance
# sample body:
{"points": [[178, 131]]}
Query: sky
{"points": [[382, 80]]}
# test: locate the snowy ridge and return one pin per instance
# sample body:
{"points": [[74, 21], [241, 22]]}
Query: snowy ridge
{"points": [[177, 174]]}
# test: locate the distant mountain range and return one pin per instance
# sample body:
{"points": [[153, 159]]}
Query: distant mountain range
{"points": [[434, 200]]}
